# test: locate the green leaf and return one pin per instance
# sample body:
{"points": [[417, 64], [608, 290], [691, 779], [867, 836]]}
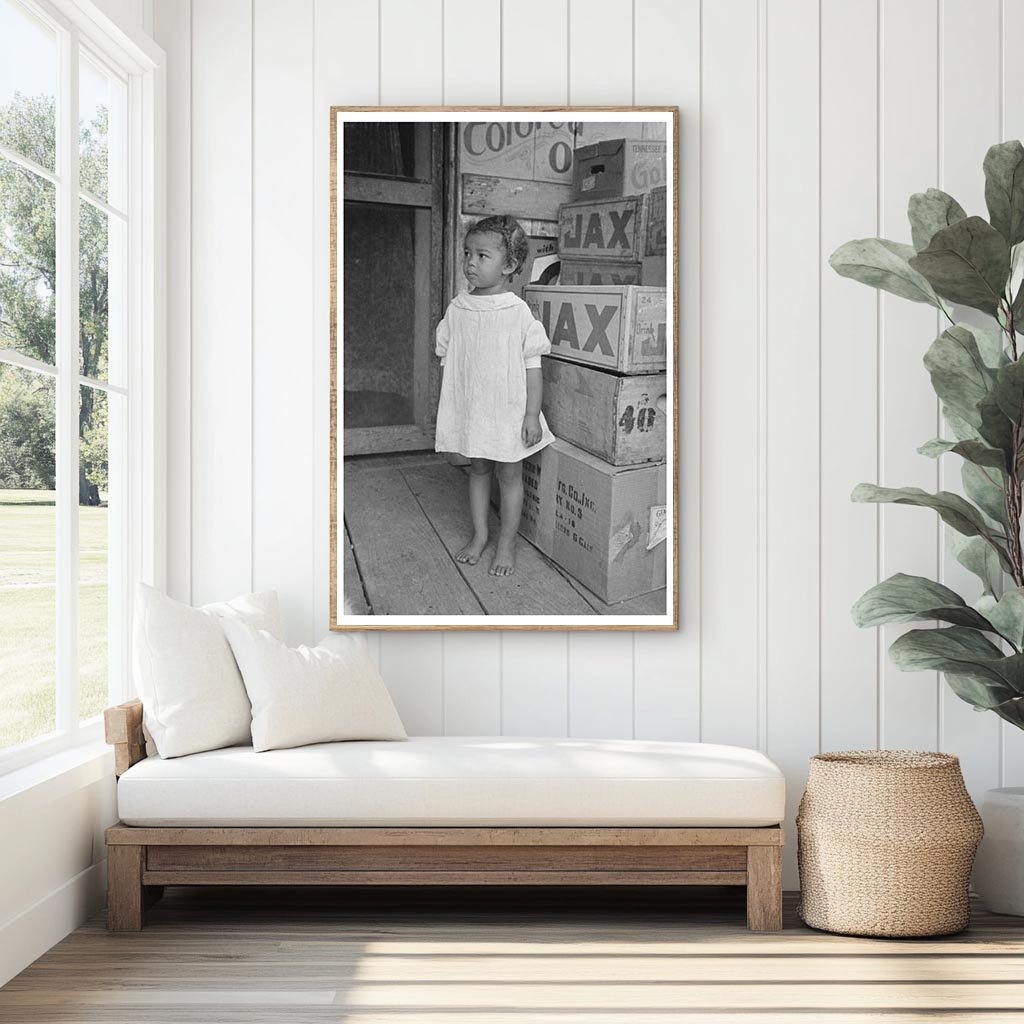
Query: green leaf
{"points": [[967, 263], [958, 372], [1004, 189], [1011, 711], [963, 652], [1006, 614], [1017, 307], [995, 428], [883, 264], [983, 695], [1015, 285], [973, 451], [990, 345], [1009, 390], [986, 488], [903, 598], [976, 555], [930, 212], [1016, 270], [953, 510], [961, 429]]}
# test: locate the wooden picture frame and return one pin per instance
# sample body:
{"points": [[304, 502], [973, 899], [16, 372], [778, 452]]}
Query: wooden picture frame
{"points": [[598, 545]]}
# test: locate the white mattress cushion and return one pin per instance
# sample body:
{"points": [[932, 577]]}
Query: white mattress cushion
{"points": [[459, 780]]}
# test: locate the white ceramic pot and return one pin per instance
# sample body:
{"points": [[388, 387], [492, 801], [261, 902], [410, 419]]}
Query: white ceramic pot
{"points": [[998, 877]]}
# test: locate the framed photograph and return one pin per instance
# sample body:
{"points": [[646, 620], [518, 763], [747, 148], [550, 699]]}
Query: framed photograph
{"points": [[504, 368]]}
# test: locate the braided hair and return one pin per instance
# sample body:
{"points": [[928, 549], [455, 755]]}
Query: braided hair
{"points": [[513, 237]]}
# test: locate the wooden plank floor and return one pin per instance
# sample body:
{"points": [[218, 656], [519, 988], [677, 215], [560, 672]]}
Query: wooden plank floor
{"points": [[507, 957], [405, 518]]}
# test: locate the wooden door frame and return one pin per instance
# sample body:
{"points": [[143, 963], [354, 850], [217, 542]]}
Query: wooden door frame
{"points": [[426, 193]]}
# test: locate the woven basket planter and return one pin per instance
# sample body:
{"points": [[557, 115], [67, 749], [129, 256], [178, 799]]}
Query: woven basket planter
{"points": [[885, 843]]}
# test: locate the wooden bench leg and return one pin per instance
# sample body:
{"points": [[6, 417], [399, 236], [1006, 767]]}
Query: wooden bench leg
{"points": [[125, 898], [764, 888]]}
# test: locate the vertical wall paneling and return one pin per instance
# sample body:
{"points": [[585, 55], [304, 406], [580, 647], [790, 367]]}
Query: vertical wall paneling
{"points": [[534, 694], [601, 684], [968, 125], [909, 413], [345, 51], [411, 66], [601, 72], [413, 666], [667, 665], [534, 64], [221, 370], [600, 52], [412, 72], [283, 338], [778, 421], [534, 669], [173, 30], [728, 384], [472, 684], [472, 660], [792, 416], [1012, 127], [849, 369], [472, 52]]}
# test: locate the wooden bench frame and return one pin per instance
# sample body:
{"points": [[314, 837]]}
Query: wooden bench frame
{"points": [[142, 860]]}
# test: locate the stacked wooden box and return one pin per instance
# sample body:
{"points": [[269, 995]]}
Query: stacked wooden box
{"points": [[614, 231], [595, 499]]}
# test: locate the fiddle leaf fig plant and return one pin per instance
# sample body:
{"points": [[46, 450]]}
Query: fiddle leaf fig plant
{"points": [[977, 373]]}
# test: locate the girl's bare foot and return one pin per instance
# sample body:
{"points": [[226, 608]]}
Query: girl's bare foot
{"points": [[504, 563], [470, 554]]}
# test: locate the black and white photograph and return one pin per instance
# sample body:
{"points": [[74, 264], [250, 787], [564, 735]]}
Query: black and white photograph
{"points": [[504, 368]]}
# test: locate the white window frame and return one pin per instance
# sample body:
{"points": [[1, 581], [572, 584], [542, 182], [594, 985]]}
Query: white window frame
{"points": [[141, 64]]}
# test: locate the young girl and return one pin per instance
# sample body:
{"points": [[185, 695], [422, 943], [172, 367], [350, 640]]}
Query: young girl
{"points": [[490, 346]]}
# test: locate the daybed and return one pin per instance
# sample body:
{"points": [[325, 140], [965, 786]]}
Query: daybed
{"points": [[444, 811]]}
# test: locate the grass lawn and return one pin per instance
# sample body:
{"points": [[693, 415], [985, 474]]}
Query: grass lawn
{"points": [[28, 614]]}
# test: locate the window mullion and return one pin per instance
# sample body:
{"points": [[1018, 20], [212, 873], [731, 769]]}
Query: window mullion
{"points": [[67, 387]]}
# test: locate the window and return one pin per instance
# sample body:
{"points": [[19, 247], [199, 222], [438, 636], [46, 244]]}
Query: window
{"points": [[76, 385]]}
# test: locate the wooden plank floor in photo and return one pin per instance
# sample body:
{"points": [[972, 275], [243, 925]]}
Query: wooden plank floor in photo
{"points": [[406, 516], [493, 956]]}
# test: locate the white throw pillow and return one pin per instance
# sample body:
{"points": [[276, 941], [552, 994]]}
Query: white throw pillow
{"points": [[192, 693], [309, 694]]}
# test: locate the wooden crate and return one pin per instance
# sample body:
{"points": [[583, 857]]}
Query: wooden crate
{"points": [[589, 132], [619, 419], [603, 228], [615, 327], [654, 272], [625, 229], [605, 525], [619, 167], [648, 271], [585, 272], [656, 223]]}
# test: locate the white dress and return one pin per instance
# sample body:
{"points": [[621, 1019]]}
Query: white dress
{"points": [[486, 343]]}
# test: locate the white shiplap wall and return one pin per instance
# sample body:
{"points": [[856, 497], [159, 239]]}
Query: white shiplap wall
{"points": [[804, 123]]}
